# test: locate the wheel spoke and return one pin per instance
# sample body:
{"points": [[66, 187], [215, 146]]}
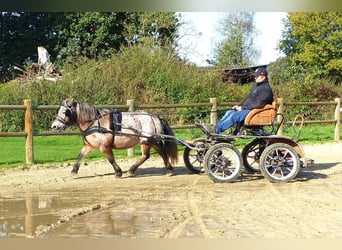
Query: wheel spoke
{"points": [[195, 161]]}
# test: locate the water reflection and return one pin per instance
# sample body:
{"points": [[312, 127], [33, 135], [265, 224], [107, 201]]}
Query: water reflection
{"points": [[76, 214], [20, 216], [24, 215], [145, 219], [100, 223]]}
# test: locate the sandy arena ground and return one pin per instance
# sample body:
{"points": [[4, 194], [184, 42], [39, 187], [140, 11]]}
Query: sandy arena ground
{"points": [[189, 205]]}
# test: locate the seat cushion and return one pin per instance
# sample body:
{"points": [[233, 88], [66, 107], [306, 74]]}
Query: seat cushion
{"points": [[262, 116]]}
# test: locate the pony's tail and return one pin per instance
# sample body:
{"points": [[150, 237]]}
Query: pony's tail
{"points": [[170, 144]]}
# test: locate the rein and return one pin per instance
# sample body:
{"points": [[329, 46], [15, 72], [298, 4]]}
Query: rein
{"points": [[96, 129]]}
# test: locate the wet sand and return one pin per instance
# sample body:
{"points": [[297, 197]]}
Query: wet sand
{"points": [[46, 201]]}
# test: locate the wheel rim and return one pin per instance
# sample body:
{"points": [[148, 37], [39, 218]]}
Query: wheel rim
{"points": [[251, 155], [223, 164], [280, 163], [194, 158]]}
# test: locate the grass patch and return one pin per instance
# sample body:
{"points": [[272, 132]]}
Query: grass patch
{"points": [[313, 133], [12, 151], [47, 149]]}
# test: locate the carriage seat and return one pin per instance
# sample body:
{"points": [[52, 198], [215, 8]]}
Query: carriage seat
{"points": [[262, 116]]}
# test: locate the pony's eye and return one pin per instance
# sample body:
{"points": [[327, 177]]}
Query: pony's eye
{"points": [[67, 112]]}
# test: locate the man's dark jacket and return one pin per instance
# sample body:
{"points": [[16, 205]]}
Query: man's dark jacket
{"points": [[260, 95]]}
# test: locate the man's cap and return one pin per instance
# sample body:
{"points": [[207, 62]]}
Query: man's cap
{"points": [[260, 71]]}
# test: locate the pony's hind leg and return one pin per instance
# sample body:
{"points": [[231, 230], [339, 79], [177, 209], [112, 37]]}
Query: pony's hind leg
{"points": [[145, 151], [161, 151]]}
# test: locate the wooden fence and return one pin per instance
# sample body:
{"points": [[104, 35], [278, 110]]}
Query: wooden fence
{"points": [[213, 105]]}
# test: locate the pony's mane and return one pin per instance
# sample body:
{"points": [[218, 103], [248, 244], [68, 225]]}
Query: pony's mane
{"points": [[86, 112]]}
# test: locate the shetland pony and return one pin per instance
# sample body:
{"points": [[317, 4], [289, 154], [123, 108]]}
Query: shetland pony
{"points": [[106, 129]]}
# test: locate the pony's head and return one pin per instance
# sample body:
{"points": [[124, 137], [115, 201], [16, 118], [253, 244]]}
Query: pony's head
{"points": [[66, 115]]}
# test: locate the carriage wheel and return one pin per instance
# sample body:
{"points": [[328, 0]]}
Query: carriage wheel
{"points": [[279, 162], [251, 155], [222, 162], [193, 159]]}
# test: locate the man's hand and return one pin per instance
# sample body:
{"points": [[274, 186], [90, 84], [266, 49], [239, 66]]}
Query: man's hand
{"points": [[237, 108]]}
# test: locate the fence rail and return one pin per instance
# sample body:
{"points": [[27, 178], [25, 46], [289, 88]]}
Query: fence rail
{"points": [[213, 104]]}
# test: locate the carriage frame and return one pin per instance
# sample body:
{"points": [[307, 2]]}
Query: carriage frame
{"points": [[278, 158]]}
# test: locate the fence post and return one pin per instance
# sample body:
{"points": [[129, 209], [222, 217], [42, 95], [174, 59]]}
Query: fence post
{"points": [[29, 132], [213, 112], [130, 104], [280, 103], [337, 119]]}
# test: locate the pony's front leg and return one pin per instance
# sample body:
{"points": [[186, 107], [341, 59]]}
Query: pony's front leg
{"points": [[84, 151], [110, 157], [117, 169]]}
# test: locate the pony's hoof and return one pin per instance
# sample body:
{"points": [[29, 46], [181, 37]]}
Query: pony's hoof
{"points": [[170, 173], [73, 172], [129, 174]]}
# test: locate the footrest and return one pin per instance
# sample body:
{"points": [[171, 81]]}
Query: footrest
{"points": [[204, 129]]}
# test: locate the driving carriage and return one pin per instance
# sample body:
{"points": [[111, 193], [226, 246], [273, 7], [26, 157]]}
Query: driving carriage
{"points": [[278, 158]]}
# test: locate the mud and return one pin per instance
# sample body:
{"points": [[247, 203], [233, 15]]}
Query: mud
{"points": [[46, 201]]}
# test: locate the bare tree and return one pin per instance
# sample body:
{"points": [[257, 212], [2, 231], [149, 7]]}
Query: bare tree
{"points": [[237, 47]]}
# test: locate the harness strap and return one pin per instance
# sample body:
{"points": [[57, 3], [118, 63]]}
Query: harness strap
{"points": [[96, 129], [115, 125], [115, 120]]}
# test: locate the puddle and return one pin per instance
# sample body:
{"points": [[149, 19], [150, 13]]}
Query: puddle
{"points": [[101, 223], [146, 221], [83, 213], [22, 215], [148, 206]]}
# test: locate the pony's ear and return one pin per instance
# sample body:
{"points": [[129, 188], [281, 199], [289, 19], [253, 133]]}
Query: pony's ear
{"points": [[70, 102]]}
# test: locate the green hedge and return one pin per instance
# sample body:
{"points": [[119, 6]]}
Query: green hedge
{"points": [[150, 77]]}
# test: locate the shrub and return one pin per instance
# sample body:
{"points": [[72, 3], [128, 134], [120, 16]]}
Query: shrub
{"points": [[153, 76]]}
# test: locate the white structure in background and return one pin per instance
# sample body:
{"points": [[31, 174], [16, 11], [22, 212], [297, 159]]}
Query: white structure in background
{"points": [[43, 56], [44, 69], [45, 65]]}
